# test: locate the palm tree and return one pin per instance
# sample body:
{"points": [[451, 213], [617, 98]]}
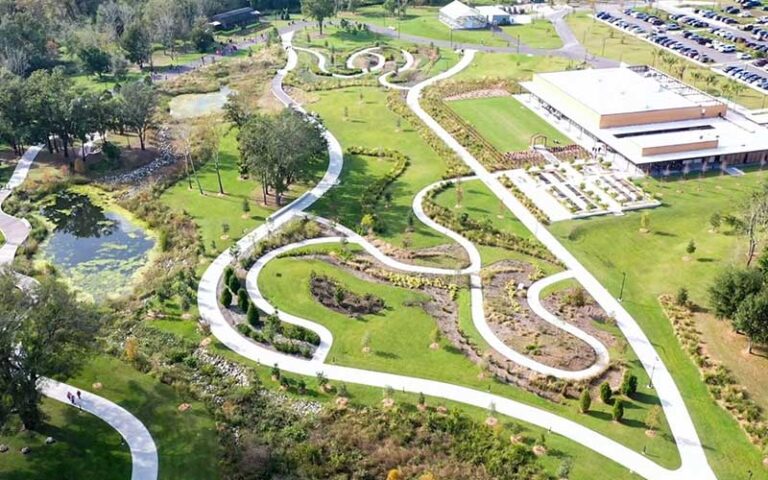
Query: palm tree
{"points": [[696, 76]]}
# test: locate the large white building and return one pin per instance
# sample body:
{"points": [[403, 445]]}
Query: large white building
{"points": [[642, 117], [458, 15]]}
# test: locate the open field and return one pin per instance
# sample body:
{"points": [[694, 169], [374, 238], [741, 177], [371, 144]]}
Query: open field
{"points": [[654, 264], [511, 65], [505, 122], [602, 40]]}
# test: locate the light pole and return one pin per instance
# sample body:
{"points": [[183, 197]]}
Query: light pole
{"points": [[450, 31], [653, 369], [623, 281]]}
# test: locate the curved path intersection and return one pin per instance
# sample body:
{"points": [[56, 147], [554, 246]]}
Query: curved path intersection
{"points": [[694, 464]]}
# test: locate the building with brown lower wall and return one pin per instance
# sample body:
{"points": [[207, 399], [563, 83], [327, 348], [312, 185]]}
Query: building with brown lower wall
{"points": [[647, 118]]}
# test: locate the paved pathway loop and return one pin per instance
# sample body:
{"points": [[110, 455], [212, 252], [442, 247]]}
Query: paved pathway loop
{"points": [[694, 464]]}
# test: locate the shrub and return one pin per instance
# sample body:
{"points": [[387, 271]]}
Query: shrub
{"points": [[629, 384], [605, 392], [585, 401], [618, 410], [226, 297], [242, 299], [228, 272], [252, 315], [681, 298], [233, 283]]}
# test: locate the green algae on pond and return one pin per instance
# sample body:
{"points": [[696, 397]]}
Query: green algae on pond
{"points": [[98, 251]]}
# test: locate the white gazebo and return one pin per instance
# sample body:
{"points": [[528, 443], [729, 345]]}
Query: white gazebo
{"points": [[458, 15]]}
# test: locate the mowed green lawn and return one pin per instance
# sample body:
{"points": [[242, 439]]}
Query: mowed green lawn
{"points": [[505, 122], [88, 448], [423, 22], [400, 337], [369, 123], [511, 65], [537, 34], [187, 442], [609, 246], [85, 448]]}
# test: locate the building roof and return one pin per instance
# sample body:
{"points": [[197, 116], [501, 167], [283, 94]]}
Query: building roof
{"points": [[456, 9], [234, 13], [616, 90], [492, 11]]}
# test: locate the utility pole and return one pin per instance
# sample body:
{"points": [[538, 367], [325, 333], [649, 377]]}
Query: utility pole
{"points": [[623, 281]]}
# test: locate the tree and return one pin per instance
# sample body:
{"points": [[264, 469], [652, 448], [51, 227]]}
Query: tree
{"points": [[629, 384], [715, 221], [139, 105], [731, 287], [243, 300], [645, 221], [136, 44], [95, 60], [233, 284], [394, 474], [585, 401], [226, 297], [690, 248], [207, 142], [252, 315], [45, 332], [201, 38], [436, 336], [390, 6], [618, 410], [318, 9], [246, 205], [751, 318], [653, 418], [752, 220], [367, 223], [681, 299], [280, 149], [605, 392]]}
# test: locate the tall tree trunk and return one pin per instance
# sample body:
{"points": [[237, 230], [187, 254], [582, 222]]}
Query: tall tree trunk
{"points": [[189, 175], [749, 346], [50, 145], [218, 174], [197, 179]]}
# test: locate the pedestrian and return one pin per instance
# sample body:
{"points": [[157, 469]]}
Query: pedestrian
{"points": [[78, 395], [72, 399], [69, 396]]}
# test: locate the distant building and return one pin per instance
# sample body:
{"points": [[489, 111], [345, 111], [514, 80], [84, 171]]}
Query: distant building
{"points": [[495, 15], [643, 117], [459, 16], [234, 18]]}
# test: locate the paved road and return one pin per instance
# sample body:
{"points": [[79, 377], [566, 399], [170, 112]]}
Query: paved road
{"points": [[144, 461]]}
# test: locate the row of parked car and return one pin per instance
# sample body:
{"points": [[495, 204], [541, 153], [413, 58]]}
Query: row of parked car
{"points": [[747, 76], [679, 47], [713, 15], [690, 21], [758, 32], [621, 23]]}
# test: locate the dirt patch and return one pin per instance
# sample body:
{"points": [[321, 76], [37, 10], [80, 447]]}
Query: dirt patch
{"points": [[334, 296], [512, 319], [485, 93], [448, 256]]}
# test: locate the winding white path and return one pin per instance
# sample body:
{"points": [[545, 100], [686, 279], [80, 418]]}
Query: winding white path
{"points": [[694, 461], [322, 62], [694, 464], [144, 461], [409, 64]]}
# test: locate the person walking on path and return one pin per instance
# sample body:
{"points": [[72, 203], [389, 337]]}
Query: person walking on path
{"points": [[79, 395]]}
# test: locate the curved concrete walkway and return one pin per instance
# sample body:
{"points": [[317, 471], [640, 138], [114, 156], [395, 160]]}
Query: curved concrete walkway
{"points": [[694, 460], [371, 51], [144, 461]]}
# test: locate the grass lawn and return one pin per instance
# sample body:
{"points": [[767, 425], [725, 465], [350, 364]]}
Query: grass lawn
{"points": [[537, 34], [86, 447], [603, 40], [371, 124], [93, 83], [505, 122], [423, 22], [186, 441], [400, 337], [211, 211], [611, 245], [510, 65]]}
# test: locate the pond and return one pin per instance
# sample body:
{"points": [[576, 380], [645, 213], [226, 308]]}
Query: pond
{"points": [[98, 251], [197, 105]]}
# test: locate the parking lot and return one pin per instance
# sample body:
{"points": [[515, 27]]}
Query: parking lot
{"points": [[732, 42]]}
